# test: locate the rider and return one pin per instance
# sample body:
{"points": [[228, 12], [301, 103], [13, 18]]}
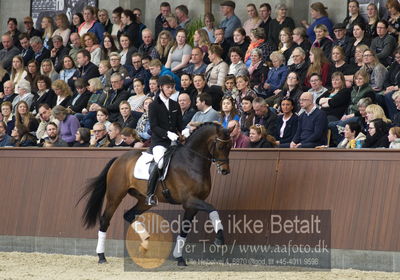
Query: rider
{"points": [[165, 122]]}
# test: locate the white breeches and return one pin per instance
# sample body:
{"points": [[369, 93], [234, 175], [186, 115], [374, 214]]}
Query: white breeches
{"points": [[158, 153]]}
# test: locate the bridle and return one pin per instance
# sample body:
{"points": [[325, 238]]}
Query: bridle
{"points": [[217, 161]]}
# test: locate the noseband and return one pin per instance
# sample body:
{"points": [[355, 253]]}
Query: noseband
{"points": [[213, 158]]}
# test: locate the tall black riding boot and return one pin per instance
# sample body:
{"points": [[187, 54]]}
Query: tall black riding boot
{"points": [[151, 199]]}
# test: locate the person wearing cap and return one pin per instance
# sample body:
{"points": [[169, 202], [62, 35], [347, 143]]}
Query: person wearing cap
{"points": [[320, 16], [341, 38], [29, 29], [231, 21], [165, 123], [277, 24]]}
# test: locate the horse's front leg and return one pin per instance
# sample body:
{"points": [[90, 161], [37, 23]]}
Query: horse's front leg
{"points": [[181, 238], [201, 205]]}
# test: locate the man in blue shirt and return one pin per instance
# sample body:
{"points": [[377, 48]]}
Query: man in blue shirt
{"points": [[312, 126], [231, 21]]}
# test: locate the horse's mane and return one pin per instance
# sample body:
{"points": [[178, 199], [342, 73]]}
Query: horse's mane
{"points": [[202, 127]]}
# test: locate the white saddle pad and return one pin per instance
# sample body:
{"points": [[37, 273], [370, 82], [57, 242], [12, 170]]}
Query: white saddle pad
{"points": [[141, 170], [142, 166]]}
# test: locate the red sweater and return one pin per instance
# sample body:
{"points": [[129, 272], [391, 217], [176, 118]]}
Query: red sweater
{"points": [[324, 74]]}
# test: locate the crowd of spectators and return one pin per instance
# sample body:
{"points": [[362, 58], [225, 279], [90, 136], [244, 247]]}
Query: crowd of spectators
{"points": [[272, 82]]}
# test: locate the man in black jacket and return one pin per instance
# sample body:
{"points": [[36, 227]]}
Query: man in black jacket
{"points": [[161, 22], [87, 70], [165, 123], [40, 51], [58, 52], [26, 50], [264, 115], [111, 100]]}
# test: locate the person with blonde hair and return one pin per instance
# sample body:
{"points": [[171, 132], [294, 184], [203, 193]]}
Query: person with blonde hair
{"points": [[62, 30], [18, 71], [63, 92], [200, 39], [48, 29], [163, 46], [253, 21], [47, 69], [374, 111], [323, 40], [259, 137]]}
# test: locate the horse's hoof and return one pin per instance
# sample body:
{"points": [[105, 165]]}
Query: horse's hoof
{"points": [[181, 261], [219, 242], [144, 247], [102, 258]]}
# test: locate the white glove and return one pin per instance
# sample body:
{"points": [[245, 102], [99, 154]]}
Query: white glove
{"points": [[172, 136], [186, 132]]}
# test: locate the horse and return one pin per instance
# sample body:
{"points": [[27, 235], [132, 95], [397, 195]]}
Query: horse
{"points": [[188, 181]]}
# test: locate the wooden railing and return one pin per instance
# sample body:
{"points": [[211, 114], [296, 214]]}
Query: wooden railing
{"points": [[40, 187]]}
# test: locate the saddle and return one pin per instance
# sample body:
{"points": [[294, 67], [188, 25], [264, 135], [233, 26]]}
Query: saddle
{"points": [[146, 160]]}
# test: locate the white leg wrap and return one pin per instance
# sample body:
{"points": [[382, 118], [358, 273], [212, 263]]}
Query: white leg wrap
{"points": [[217, 224], [101, 241], [139, 228], [180, 242]]}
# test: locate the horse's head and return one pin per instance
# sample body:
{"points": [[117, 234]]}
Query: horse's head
{"points": [[220, 145]]}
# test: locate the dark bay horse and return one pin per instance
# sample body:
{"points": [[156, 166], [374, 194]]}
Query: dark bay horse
{"points": [[188, 180]]}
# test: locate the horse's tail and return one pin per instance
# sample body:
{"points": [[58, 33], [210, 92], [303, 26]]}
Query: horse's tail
{"points": [[96, 187]]}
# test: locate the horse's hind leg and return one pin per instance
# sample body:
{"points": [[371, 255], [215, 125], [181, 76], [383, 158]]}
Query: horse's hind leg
{"points": [[181, 238], [201, 205], [138, 227], [138, 208], [109, 211]]}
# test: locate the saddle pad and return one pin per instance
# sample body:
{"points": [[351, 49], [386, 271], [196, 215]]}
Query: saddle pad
{"points": [[142, 166], [141, 170]]}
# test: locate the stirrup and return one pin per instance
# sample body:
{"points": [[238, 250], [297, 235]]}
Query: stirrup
{"points": [[151, 200]]}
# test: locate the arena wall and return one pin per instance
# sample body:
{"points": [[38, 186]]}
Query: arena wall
{"points": [[39, 190]]}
